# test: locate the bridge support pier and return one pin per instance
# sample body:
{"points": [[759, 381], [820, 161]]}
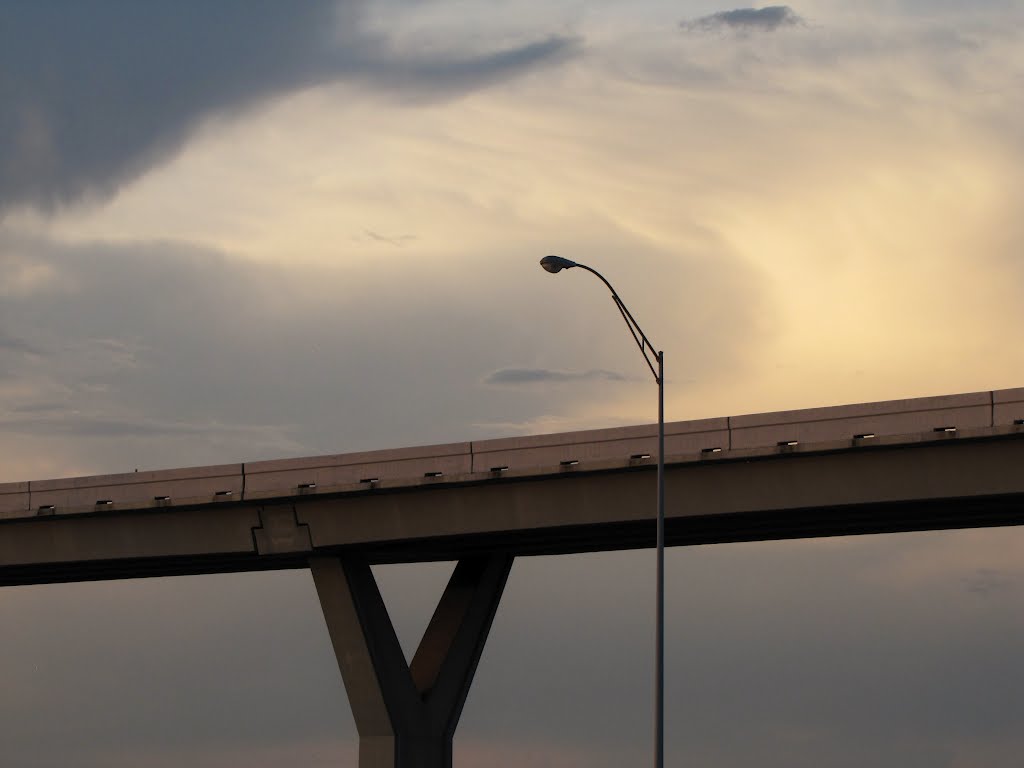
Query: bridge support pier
{"points": [[406, 714]]}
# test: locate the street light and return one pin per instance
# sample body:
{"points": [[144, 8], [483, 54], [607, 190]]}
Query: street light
{"points": [[554, 264]]}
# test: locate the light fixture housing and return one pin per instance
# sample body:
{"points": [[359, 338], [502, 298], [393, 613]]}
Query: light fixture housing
{"points": [[555, 264]]}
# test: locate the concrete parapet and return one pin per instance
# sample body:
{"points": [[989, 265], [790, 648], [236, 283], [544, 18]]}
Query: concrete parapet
{"points": [[622, 443], [862, 421], [290, 477], [1008, 406], [135, 490], [14, 500], [866, 424]]}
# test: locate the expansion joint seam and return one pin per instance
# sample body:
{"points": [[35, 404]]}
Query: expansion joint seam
{"points": [[262, 527]]}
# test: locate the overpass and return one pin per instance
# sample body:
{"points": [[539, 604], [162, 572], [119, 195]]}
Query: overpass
{"points": [[921, 464]]}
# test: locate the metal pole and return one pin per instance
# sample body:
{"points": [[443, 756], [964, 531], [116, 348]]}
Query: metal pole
{"points": [[659, 642], [555, 264]]}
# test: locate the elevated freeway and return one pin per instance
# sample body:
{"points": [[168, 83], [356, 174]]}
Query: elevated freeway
{"points": [[938, 462], [953, 461]]}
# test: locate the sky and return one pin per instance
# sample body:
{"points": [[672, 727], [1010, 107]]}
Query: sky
{"points": [[235, 231]]}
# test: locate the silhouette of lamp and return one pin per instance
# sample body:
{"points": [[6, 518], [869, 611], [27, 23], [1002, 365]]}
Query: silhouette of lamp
{"points": [[555, 264]]}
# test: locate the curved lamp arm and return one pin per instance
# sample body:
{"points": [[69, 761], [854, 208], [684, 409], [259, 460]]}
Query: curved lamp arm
{"points": [[555, 264]]}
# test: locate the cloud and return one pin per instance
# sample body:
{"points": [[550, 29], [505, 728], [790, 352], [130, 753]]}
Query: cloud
{"points": [[766, 19], [430, 77], [397, 240], [153, 345], [10, 343], [13, 350], [515, 376], [988, 581], [48, 420], [94, 95]]}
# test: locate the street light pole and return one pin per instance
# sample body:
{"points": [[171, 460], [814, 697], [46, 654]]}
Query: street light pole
{"points": [[659, 610], [555, 264]]}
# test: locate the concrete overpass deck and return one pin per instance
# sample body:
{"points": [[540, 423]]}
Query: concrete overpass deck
{"points": [[949, 461]]}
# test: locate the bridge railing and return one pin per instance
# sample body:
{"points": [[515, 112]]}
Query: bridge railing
{"points": [[541, 454], [893, 417], [134, 490], [566, 449], [14, 499]]}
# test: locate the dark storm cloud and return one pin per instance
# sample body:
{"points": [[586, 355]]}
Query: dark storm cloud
{"points": [[507, 376], [745, 19], [93, 94]]}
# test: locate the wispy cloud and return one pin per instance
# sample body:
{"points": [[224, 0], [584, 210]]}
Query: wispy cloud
{"points": [[61, 420], [397, 240], [516, 376], [9, 343], [988, 581], [13, 351], [766, 19]]}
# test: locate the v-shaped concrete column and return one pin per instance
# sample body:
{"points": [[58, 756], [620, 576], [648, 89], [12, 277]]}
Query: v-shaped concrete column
{"points": [[406, 714]]}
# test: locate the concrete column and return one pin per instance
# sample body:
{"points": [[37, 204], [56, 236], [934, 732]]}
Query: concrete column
{"points": [[406, 714]]}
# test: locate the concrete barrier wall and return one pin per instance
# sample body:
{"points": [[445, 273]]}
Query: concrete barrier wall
{"points": [[599, 444], [14, 500], [556, 452], [135, 490], [1008, 406], [286, 477], [846, 422]]}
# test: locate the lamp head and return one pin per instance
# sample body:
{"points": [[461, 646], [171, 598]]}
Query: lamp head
{"points": [[556, 263]]}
